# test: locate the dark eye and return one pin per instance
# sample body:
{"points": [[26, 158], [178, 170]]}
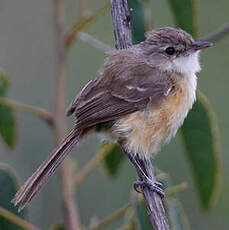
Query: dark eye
{"points": [[170, 50]]}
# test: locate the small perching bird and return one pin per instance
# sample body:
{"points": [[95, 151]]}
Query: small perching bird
{"points": [[140, 99]]}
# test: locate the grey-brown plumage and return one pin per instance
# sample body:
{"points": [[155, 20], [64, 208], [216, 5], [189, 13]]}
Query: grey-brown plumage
{"points": [[140, 99], [105, 99]]}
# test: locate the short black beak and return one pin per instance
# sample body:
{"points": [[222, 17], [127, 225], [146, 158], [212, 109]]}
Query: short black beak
{"points": [[199, 45]]}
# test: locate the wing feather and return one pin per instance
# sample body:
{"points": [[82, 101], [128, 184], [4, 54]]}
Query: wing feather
{"points": [[101, 100]]}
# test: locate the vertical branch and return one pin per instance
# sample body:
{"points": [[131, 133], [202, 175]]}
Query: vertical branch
{"points": [[70, 211], [122, 31], [121, 22], [153, 200]]}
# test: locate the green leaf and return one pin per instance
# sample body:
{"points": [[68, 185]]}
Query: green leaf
{"points": [[9, 186], [185, 14], [176, 215], [7, 126], [201, 140], [137, 20], [4, 84], [113, 158], [7, 121], [142, 215]]}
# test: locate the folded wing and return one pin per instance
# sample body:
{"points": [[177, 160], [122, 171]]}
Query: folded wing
{"points": [[105, 100]]}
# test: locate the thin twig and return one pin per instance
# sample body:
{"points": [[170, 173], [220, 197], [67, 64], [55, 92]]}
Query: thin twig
{"points": [[16, 220], [116, 215], [218, 34], [93, 42], [82, 23], [176, 188], [41, 113], [87, 169], [123, 39], [71, 217], [130, 224]]}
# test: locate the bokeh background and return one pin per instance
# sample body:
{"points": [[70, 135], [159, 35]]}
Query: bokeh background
{"points": [[27, 55]]}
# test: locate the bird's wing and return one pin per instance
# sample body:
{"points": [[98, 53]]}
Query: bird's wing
{"points": [[102, 101]]}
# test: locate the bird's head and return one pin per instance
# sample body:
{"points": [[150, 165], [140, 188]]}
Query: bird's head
{"points": [[173, 50]]}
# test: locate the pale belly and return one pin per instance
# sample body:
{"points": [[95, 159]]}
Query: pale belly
{"points": [[146, 131]]}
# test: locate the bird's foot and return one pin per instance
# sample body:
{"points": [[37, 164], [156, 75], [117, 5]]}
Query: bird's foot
{"points": [[153, 185]]}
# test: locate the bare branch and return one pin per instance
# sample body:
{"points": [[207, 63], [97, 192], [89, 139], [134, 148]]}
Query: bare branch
{"points": [[121, 22], [71, 217], [217, 35], [123, 39], [42, 113], [93, 42], [153, 200], [16, 220]]}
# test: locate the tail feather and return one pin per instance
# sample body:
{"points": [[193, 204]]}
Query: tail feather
{"points": [[46, 169]]}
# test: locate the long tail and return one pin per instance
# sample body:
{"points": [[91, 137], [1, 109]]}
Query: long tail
{"points": [[46, 169]]}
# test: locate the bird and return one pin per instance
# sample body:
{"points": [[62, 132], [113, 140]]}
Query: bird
{"points": [[139, 100]]}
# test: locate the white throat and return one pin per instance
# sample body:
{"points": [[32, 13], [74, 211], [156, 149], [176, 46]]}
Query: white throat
{"points": [[188, 65]]}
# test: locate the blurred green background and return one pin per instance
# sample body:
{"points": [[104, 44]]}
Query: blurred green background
{"points": [[27, 55]]}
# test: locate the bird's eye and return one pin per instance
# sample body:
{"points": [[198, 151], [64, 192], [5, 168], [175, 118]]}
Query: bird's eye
{"points": [[170, 50]]}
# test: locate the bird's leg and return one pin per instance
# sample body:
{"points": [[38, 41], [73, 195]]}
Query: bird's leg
{"points": [[144, 181], [153, 185]]}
